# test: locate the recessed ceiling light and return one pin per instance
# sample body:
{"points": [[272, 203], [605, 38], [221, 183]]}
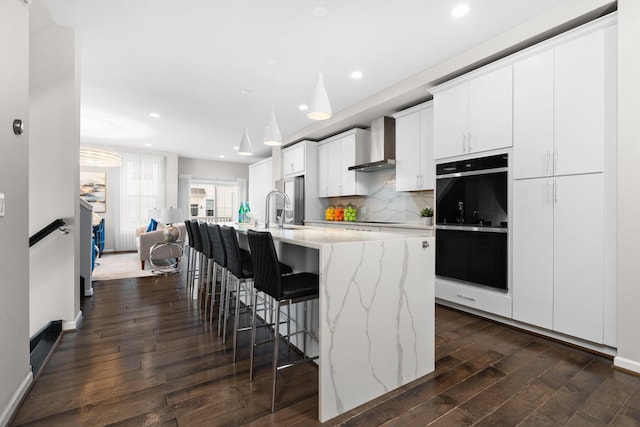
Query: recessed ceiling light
{"points": [[221, 156], [460, 10], [148, 144], [303, 107], [236, 148], [154, 115], [356, 75]]}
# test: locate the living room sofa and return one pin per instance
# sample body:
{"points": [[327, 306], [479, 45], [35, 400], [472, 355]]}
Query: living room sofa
{"points": [[145, 239]]}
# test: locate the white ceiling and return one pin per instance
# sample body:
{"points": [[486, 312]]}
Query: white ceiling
{"points": [[189, 61]]}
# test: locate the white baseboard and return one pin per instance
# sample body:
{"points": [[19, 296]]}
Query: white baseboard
{"points": [[71, 325], [16, 399], [628, 364]]}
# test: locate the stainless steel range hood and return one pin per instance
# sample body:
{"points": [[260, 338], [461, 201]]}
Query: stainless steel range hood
{"points": [[382, 150]]}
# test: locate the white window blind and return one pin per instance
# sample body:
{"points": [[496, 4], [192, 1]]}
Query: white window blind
{"points": [[142, 188]]}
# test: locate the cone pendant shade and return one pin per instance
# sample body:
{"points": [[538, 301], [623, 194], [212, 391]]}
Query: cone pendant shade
{"points": [[320, 107], [272, 135], [245, 144]]}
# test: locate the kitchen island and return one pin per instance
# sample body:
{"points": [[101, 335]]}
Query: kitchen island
{"points": [[375, 316]]}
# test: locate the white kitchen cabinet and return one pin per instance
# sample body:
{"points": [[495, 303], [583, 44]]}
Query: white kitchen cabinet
{"points": [[474, 113], [293, 160], [578, 247], [260, 184], [533, 116], [532, 226], [558, 253], [415, 168], [579, 131], [474, 297], [323, 170], [335, 156], [559, 124]]}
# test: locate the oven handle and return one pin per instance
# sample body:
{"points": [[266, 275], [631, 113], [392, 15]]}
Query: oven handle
{"points": [[471, 173], [470, 228]]}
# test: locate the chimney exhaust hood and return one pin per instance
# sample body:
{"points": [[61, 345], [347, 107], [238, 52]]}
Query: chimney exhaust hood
{"points": [[382, 149]]}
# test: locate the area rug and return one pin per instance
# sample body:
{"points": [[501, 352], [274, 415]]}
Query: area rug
{"points": [[119, 266]]}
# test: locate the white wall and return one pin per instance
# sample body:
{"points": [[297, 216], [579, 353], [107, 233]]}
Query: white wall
{"points": [[212, 169], [15, 372], [53, 175], [628, 251]]}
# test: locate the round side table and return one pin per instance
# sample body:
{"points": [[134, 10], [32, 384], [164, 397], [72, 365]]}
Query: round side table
{"points": [[165, 257]]}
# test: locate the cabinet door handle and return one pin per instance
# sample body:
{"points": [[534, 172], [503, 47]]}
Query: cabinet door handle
{"points": [[549, 162], [549, 191], [555, 160], [555, 191], [465, 297], [469, 143], [464, 142]]}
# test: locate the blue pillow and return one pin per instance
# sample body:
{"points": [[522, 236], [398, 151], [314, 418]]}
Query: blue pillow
{"points": [[152, 225]]}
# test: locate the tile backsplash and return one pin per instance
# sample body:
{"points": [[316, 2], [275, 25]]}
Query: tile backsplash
{"points": [[385, 204]]}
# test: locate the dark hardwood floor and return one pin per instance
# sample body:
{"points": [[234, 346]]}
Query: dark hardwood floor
{"points": [[145, 357]]}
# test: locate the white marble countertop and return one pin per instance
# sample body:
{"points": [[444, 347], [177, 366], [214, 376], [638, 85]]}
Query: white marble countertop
{"points": [[315, 238], [411, 225]]}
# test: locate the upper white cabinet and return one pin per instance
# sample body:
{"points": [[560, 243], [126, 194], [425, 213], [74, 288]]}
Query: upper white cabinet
{"points": [[293, 160], [474, 113], [323, 172], [335, 156], [580, 104], [559, 108], [415, 168], [533, 116]]}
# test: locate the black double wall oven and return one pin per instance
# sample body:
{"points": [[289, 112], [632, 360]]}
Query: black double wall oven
{"points": [[471, 221]]}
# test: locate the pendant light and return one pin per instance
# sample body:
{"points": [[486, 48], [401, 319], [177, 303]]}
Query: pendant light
{"points": [[245, 143], [320, 106], [272, 135]]}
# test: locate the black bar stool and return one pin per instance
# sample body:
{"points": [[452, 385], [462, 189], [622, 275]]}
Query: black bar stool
{"points": [[207, 252], [219, 262], [240, 266], [285, 290], [190, 253]]}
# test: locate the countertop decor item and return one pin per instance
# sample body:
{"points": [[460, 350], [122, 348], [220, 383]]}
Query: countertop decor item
{"points": [[427, 215]]}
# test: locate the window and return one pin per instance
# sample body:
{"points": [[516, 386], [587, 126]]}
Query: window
{"points": [[213, 201], [141, 190]]}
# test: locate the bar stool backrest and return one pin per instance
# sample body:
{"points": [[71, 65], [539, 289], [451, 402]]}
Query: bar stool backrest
{"points": [[234, 259], [206, 246], [266, 268], [187, 226], [219, 253], [197, 239]]}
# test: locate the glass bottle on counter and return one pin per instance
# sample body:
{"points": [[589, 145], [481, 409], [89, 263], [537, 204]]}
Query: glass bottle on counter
{"points": [[350, 213], [339, 215], [241, 213], [329, 213], [247, 209]]}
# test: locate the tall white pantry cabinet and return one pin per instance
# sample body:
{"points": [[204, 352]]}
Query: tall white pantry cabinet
{"points": [[564, 189]]}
